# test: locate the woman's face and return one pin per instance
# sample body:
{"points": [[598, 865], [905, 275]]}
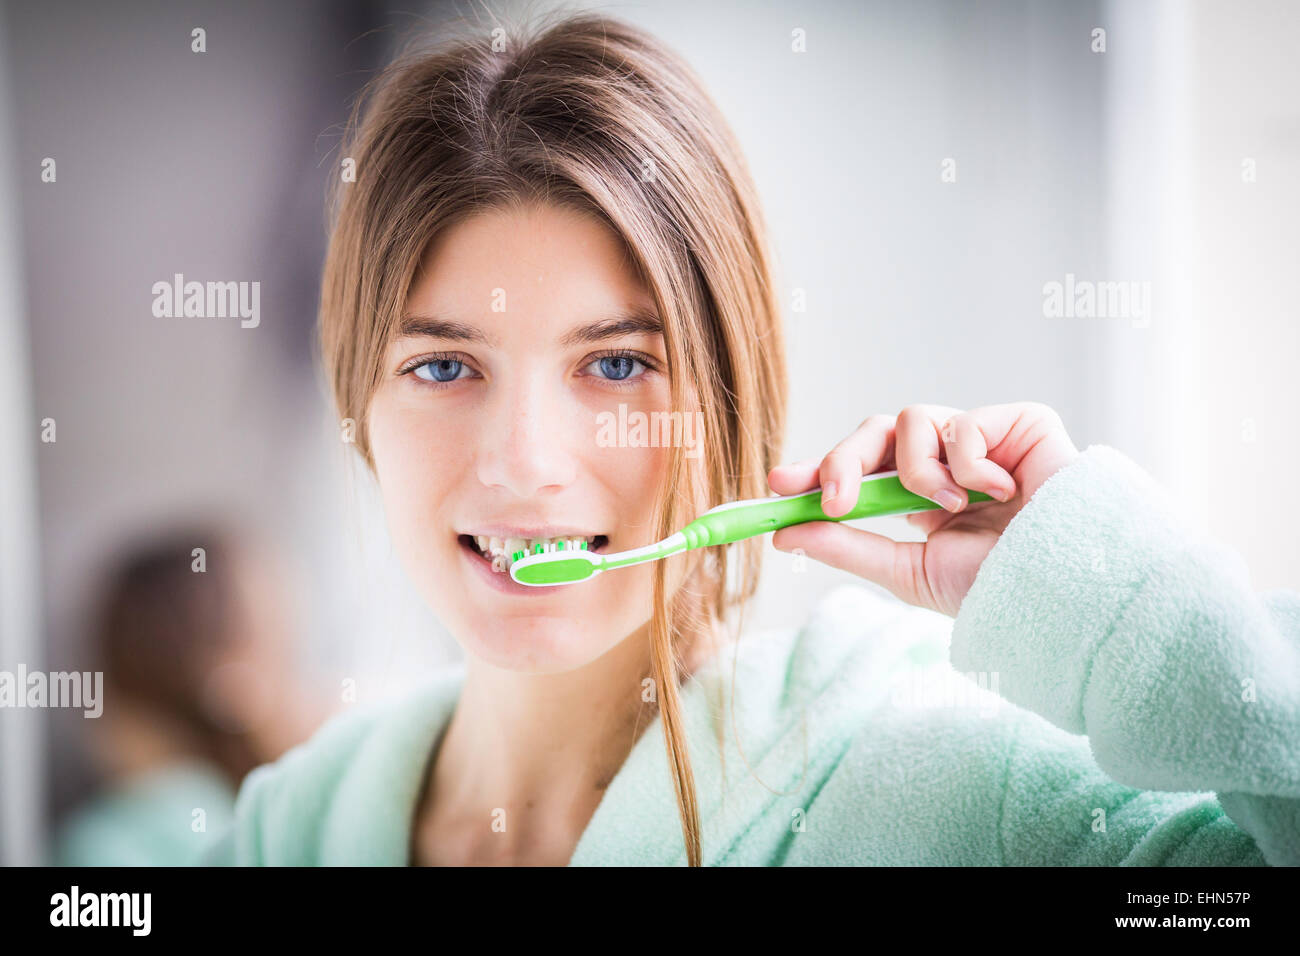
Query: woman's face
{"points": [[521, 329]]}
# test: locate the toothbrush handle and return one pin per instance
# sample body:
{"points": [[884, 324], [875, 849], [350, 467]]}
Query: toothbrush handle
{"points": [[878, 495]]}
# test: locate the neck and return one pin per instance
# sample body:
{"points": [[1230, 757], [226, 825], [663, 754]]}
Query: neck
{"points": [[543, 748]]}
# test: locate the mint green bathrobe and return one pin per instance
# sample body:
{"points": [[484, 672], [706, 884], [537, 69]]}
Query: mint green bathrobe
{"points": [[1112, 692], [151, 819]]}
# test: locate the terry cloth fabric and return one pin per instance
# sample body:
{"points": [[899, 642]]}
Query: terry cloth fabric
{"points": [[1111, 692]]}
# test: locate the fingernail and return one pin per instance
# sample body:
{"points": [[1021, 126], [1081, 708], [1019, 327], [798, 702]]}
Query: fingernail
{"points": [[948, 500], [830, 491]]}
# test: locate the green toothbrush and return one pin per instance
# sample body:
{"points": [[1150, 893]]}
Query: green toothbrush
{"points": [[879, 494]]}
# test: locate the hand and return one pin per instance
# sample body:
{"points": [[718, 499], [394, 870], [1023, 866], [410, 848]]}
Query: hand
{"points": [[1006, 451]]}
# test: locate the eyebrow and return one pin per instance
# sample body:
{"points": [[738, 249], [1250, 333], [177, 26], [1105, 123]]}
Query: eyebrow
{"points": [[635, 321], [436, 328], [632, 321]]}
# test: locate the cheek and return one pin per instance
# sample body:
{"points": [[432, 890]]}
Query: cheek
{"points": [[413, 447], [415, 457], [630, 478]]}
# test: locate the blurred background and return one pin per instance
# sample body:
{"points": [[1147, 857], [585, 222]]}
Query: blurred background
{"points": [[928, 169]]}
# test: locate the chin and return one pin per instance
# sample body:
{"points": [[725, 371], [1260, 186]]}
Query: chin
{"points": [[536, 630], [550, 644]]}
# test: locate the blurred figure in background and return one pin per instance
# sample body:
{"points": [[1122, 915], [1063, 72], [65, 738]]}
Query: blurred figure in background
{"points": [[199, 688]]}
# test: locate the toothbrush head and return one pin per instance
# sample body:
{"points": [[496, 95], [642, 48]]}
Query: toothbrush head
{"points": [[556, 567]]}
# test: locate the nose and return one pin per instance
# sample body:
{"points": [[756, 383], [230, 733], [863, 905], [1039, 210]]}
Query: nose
{"points": [[525, 448]]}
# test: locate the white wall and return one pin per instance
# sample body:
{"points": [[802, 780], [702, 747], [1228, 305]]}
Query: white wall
{"points": [[1207, 395], [22, 732]]}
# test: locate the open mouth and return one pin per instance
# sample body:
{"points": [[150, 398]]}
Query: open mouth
{"points": [[501, 553]]}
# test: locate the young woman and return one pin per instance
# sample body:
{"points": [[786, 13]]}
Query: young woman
{"points": [[539, 235]]}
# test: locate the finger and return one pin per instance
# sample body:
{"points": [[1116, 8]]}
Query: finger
{"points": [[861, 453], [795, 478], [918, 453], [966, 446], [894, 565]]}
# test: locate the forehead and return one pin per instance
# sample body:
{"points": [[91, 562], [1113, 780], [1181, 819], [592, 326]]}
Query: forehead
{"points": [[539, 260]]}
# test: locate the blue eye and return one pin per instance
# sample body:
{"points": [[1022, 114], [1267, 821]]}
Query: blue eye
{"points": [[618, 367], [440, 370]]}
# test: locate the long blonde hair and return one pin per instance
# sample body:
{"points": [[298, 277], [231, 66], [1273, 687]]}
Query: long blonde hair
{"points": [[591, 113]]}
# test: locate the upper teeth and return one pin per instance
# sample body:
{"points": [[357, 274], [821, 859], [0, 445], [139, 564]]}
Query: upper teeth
{"points": [[510, 546]]}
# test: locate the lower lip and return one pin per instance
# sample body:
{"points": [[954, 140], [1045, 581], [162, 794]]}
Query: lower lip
{"points": [[501, 581]]}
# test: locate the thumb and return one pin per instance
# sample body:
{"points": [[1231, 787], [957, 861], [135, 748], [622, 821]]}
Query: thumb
{"points": [[894, 565]]}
